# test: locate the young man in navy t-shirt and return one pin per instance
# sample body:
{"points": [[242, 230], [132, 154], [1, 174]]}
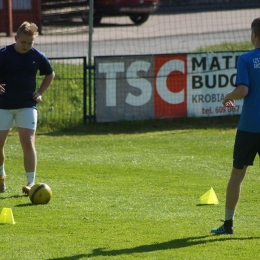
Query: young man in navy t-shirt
{"points": [[19, 64], [247, 141]]}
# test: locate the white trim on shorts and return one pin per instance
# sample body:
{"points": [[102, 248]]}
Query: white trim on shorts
{"points": [[22, 117]]}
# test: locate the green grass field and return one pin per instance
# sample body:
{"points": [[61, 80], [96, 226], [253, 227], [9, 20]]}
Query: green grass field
{"points": [[131, 191]]}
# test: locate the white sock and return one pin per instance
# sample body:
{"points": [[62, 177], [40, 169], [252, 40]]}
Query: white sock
{"points": [[2, 170], [229, 214], [30, 177]]}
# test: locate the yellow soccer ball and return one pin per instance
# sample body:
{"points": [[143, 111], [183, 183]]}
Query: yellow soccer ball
{"points": [[40, 193]]}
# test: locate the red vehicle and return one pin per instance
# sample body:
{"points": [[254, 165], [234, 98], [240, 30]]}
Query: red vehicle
{"points": [[137, 10], [67, 10]]}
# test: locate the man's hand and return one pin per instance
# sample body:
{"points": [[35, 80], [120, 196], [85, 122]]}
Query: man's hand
{"points": [[37, 97], [229, 103], [2, 89]]}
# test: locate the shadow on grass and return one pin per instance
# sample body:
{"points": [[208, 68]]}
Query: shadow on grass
{"points": [[24, 205], [144, 126], [172, 244], [15, 197], [12, 197], [205, 205]]}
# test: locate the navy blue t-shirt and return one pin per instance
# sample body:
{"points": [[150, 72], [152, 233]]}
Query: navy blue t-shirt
{"points": [[18, 73]]}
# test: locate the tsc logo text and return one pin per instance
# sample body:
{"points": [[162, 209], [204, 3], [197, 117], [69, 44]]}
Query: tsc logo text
{"points": [[163, 86]]}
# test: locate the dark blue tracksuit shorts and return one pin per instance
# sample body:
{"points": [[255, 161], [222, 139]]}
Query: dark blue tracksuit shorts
{"points": [[247, 145]]}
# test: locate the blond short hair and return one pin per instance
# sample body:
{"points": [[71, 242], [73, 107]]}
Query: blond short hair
{"points": [[27, 28]]}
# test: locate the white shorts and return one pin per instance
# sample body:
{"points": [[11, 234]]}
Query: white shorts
{"points": [[23, 117]]}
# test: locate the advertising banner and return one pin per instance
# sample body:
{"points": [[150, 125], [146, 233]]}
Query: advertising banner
{"points": [[164, 86]]}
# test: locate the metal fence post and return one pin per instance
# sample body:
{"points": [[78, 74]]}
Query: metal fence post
{"points": [[91, 7], [85, 90]]}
